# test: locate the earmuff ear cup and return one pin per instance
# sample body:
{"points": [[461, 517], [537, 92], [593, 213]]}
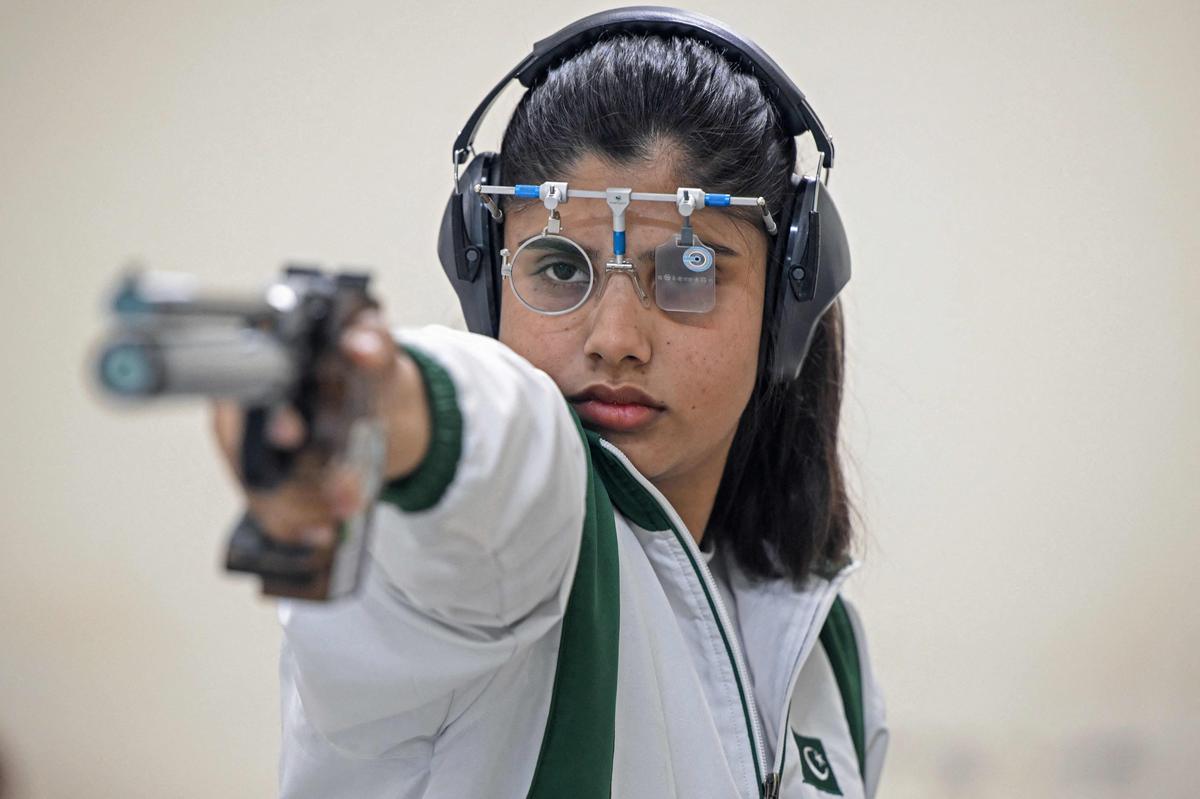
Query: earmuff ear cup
{"points": [[815, 269], [468, 250]]}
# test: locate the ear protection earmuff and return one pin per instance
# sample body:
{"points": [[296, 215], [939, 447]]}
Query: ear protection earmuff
{"points": [[811, 254]]}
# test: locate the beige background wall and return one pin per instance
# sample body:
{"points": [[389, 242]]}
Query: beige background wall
{"points": [[1020, 181]]}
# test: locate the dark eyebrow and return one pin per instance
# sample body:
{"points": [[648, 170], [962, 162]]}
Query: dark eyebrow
{"points": [[719, 249]]}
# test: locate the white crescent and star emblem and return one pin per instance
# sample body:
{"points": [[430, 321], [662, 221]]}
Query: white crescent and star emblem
{"points": [[815, 768], [816, 762]]}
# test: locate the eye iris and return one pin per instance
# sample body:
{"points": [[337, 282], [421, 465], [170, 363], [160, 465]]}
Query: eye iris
{"points": [[562, 270]]}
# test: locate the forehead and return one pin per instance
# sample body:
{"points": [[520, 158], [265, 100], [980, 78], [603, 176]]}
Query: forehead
{"points": [[655, 174]]}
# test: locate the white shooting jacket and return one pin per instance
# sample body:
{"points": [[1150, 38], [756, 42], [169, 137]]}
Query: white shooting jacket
{"points": [[536, 621]]}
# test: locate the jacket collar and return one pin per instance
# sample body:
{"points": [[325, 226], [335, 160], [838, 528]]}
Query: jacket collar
{"points": [[779, 624]]}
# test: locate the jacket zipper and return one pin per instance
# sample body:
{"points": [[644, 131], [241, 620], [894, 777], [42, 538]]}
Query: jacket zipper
{"points": [[770, 783], [775, 778], [738, 662]]}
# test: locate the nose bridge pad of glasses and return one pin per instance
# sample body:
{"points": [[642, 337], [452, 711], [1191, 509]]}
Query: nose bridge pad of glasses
{"points": [[618, 201]]}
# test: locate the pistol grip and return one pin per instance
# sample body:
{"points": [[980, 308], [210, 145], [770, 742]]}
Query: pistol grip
{"points": [[263, 466], [291, 570]]}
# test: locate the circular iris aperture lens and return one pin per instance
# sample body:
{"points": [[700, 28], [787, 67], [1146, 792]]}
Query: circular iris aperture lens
{"points": [[697, 259], [551, 274]]}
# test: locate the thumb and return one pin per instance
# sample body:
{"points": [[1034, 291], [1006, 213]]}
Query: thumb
{"points": [[369, 344]]}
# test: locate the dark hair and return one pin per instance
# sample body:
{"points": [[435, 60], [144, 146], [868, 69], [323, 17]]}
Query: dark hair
{"points": [[782, 506]]}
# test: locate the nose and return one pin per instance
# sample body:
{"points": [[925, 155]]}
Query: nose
{"points": [[619, 333]]}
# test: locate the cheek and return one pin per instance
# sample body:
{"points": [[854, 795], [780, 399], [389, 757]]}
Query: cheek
{"points": [[714, 372], [545, 341], [742, 342]]}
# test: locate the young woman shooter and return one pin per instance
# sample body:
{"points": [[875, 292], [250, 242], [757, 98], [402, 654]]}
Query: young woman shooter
{"points": [[607, 558]]}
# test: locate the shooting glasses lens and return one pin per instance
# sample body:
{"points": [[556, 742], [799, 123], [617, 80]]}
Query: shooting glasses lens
{"points": [[685, 277], [551, 274]]}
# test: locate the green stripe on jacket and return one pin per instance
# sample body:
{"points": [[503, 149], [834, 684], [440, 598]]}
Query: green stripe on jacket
{"points": [[577, 748]]}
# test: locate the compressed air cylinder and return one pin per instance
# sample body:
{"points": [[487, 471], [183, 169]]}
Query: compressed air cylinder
{"points": [[225, 360]]}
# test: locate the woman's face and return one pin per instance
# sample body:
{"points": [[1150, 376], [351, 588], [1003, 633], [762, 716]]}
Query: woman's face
{"points": [[667, 388]]}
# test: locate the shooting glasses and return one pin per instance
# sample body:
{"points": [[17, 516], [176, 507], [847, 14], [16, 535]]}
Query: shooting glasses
{"points": [[552, 274]]}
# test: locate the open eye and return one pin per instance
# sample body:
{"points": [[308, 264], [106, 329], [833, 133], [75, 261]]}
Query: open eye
{"points": [[562, 272], [551, 274]]}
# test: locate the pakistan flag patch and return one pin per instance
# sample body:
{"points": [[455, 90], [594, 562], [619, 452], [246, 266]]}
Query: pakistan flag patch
{"points": [[815, 766]]}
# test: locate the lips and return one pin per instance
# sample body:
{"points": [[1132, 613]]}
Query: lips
{"points": [[621, 409]]}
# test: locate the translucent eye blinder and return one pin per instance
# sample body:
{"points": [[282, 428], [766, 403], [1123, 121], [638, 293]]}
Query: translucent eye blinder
{"points": [[553, 275]]}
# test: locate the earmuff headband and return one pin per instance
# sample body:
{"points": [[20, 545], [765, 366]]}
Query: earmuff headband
{"points": [[797, 115]]}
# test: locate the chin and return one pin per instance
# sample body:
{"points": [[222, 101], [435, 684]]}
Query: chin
{"points": [[639, 449]]}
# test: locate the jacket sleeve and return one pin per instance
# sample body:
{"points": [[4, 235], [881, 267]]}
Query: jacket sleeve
{"points": [[875, 729], [470, 562]]}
